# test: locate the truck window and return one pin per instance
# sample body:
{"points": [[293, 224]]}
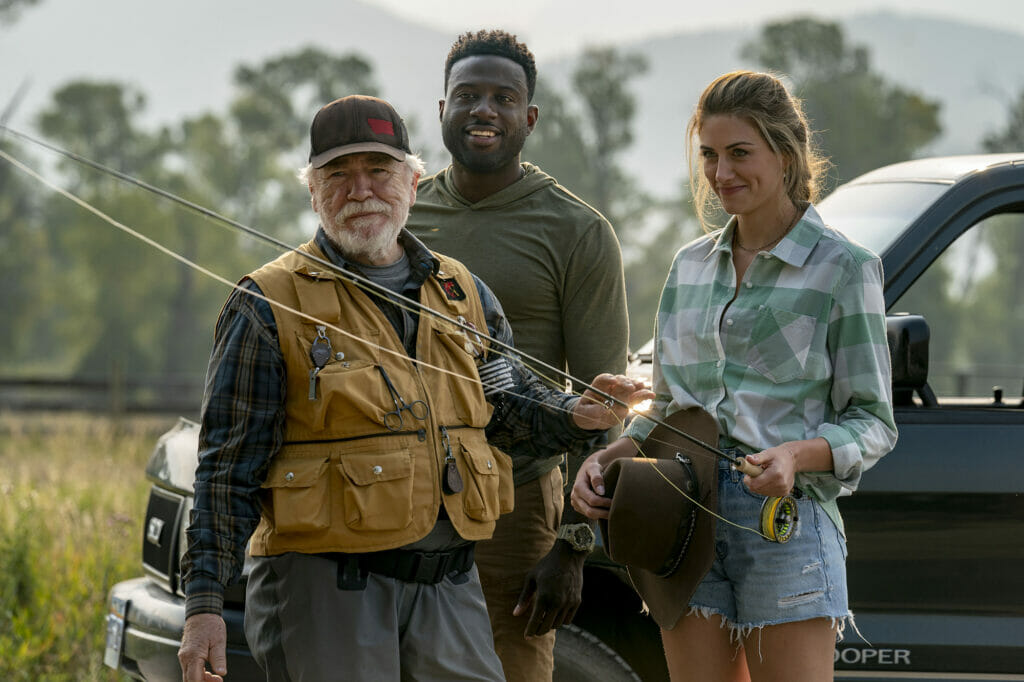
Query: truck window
{"points": [[971, 297]]}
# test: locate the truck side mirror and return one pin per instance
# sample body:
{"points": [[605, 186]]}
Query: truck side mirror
{"points": [[908, 336]]}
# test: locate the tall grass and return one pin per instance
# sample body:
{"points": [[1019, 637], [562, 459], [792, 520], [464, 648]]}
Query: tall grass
{"points": [[72, 500]]}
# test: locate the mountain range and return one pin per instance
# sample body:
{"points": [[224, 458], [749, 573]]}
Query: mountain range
{"points": [[181, 57]]}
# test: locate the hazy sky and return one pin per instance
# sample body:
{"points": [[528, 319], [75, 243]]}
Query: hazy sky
{"points": [[181, 55], [612, 20]]}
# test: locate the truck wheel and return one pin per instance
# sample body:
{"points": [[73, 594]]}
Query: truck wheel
{"points": [[582, 657]]}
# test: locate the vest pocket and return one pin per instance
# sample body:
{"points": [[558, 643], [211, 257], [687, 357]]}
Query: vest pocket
{"points": [[299, 495], [490, 481], [378, 490], [347, 398], [348, 393]]}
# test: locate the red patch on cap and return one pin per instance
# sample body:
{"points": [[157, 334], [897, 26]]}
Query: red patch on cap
{"points": [[380, 126]]}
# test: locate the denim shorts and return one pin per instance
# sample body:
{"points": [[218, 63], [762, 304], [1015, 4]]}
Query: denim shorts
{"points": [[754, 582]]}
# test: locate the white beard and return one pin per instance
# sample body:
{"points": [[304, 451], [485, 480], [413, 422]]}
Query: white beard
{"points": [[356, 238]]}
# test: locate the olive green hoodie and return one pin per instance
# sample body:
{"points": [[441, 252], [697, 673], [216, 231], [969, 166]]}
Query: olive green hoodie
{"points": [[553, 262]]}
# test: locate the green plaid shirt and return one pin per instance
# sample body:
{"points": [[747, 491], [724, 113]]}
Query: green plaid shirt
{"points": [[800, 353]]}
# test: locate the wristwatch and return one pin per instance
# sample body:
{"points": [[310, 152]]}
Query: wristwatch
{"points": [[580, 536]]}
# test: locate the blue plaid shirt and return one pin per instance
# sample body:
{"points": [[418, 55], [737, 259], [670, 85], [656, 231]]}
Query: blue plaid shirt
{"points": [[243, 421]]}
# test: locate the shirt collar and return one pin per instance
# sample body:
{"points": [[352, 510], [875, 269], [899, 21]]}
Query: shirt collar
{"points": [[793, 249]]}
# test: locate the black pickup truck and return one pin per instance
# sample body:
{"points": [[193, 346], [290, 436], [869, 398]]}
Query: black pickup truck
{"points": [[936, 530]]}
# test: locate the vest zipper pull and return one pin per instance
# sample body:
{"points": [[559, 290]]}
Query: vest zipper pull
{"points": [[451, 481], [312, 382]]}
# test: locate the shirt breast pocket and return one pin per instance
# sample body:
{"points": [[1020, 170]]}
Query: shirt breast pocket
{"points": [[780, 343]]}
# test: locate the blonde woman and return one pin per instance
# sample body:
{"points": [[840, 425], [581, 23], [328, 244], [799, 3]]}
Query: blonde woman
{"points": [[774, 324]]}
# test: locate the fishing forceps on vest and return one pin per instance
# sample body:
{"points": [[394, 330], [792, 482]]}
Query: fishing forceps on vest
{"points": [[394, 421]]}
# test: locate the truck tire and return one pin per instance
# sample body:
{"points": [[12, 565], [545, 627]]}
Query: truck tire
{"points": [[582, 657]]}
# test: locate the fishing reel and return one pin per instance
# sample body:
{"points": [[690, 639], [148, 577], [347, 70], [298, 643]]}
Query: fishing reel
{"points": [[778, 518], [778, 514]]}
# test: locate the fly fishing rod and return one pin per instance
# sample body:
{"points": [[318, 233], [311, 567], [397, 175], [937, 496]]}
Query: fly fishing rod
{"points": [[774, 517]]}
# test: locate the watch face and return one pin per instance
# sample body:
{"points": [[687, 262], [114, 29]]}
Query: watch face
{"points": [[582, 538]]}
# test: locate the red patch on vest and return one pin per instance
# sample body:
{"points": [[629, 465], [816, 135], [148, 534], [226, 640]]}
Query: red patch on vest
{"points": [[452, 289], [380, 126]]}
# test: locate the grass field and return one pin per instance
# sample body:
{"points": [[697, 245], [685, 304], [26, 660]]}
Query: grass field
{"points": [[72, 499]]}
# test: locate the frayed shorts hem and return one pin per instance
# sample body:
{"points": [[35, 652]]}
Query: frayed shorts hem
{"points": [[740, 631]]}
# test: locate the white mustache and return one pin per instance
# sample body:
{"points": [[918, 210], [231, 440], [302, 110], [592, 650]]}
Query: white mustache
{"points": [[369, 206]]}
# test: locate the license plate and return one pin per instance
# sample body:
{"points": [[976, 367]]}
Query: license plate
{"points": [[115, 632]]}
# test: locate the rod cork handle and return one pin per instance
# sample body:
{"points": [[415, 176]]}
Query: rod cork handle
{"points": [[746, 467]]}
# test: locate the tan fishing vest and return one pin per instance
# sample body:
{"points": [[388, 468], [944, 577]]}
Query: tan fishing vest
{"points": [[344, 482]]}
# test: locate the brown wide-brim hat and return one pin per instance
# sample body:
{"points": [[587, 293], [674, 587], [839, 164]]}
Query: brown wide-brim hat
{"points": [[665, 540]]}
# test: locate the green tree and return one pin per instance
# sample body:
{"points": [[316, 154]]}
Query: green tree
{"points": [[97, 119], [270, 117], [11, 9], [861, 120], [24, 263], [204, 171], [123, 304], [601, 79], [1008, 244], [581, 148], [97, 320], [244, 165], [1005, 242], [557, 144], [807, 50], [972, 289], [671, 223], [1010, 138]]}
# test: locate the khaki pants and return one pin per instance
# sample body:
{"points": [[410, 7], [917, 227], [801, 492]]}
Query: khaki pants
{"points": [[520, 540]]}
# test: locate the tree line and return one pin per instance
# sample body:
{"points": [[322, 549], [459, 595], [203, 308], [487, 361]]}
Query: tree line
{"points": [[80, 298]]}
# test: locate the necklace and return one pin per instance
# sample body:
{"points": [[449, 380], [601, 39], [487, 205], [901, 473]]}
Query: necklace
{"points": [[756, 249]]}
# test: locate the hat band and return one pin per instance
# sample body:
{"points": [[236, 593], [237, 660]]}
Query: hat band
{"points": [[682, 543], [679, 552]]}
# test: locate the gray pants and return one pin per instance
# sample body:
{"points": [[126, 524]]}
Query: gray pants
{"points": [[302, 628]]}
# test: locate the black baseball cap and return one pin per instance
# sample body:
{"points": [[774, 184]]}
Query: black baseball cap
{"points": [[354, 124]]}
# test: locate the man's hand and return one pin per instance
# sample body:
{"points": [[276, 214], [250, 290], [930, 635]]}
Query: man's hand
{"points": [[594, 412], [204, 640], [554, 588]]}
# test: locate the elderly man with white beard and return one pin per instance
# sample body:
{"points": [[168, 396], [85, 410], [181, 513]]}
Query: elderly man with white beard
{"points": [[349, 444]]}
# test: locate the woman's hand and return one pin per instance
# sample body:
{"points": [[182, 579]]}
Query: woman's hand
{"points": [[587, 495], [588, 491], [594, 412], [781, 463], [778, 465]]}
